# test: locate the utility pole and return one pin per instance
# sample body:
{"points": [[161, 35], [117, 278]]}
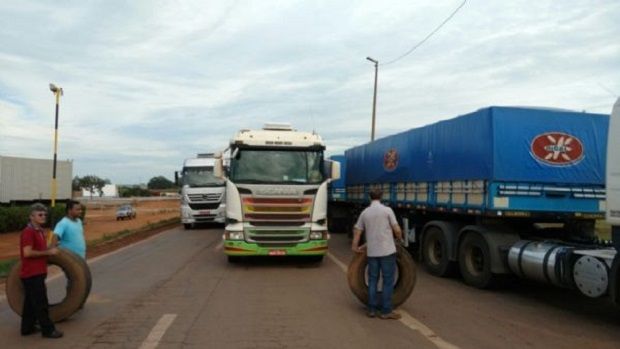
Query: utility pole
{"points": [[57, 92], [374, 99]]}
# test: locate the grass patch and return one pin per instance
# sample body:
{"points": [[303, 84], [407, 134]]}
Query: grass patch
{"points": [[126, 232], [5, 267]]}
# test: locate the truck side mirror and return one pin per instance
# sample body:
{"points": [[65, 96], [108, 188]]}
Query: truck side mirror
{"points": [[335, 175], [176, 178], [218, 168]]}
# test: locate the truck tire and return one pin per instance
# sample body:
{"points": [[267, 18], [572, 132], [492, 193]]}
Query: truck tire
{"points": [[234, 259], [475, 261], [79, 284], [187, 226], [407, 276], [435, 254], [614, 281]]}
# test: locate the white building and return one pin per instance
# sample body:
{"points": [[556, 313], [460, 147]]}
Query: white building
{"points": [[109, 191]]}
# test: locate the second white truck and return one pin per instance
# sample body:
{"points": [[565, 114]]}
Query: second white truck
{"points": [[202, 194]]}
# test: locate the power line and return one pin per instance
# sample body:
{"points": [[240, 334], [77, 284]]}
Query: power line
{"points": [[428, 36]]}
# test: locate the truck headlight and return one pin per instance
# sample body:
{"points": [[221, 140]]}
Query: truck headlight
{"points": [[234, 235], [318, 235]]}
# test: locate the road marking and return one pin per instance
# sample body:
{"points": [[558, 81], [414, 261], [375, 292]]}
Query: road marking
{"points": [[407, 319], [152, 340]]}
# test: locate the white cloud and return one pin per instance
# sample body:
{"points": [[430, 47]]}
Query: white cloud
{"points": [[149, 83]]}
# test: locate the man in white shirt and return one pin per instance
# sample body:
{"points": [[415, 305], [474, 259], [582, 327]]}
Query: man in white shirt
{"points": [[379, 224]]}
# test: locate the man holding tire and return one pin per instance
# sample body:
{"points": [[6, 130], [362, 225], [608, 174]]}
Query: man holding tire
{"points": [[379, 224], [33, 253]]}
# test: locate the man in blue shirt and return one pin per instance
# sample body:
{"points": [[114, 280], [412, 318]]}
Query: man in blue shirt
{"points": [[70, 231]]}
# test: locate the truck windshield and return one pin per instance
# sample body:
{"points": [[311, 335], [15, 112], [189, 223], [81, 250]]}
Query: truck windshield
{"points": [[277, 166], [201, 177]]}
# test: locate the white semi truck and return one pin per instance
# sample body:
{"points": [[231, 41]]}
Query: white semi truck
{"points": [[276, 202], [202, 194]]}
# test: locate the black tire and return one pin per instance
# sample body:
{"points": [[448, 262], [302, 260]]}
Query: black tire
{"points": [[475, 261], [314, 259], [77, 272], [435, 253], [614, 281], [187, 226], [234, 259], [407, 276]]}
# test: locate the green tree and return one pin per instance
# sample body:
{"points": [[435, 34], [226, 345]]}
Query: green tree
{"points": [[75, 183], [92, 184], [160, 182]]}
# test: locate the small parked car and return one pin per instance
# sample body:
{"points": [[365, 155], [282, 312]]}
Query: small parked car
{"points": [[125, 212]]}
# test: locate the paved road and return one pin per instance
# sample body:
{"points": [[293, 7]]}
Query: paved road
{"points": [[176, 290]]}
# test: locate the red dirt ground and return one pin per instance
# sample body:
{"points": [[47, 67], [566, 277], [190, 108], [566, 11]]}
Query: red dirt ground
{"points": [[101, 220]]}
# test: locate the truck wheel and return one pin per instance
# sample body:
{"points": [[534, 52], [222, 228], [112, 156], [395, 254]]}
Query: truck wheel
{"points": [[435, 255], [79, 283], [314, 259], [234, 259], [407, 276], [187, 226], [614, 281], [475, 261]]}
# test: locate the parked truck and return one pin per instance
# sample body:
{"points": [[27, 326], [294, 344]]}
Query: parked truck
{"points": [[613, 194], [202, 193], [276, 202], [24, 180], [503, 190]]}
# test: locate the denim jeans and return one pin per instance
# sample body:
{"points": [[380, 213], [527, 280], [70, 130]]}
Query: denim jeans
{"points": [[387, 266]]}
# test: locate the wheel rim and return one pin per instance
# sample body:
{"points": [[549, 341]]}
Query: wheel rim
{"points": [[474, 260]]}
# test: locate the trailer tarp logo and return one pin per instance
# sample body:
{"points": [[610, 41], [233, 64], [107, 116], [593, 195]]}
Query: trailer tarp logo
{"points": [[390, 160], [557, 149]]}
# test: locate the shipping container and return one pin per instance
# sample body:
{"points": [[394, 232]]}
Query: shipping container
{"points": [[27, 180]]}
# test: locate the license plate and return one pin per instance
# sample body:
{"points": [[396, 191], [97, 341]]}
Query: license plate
{"points": [[277, 253], [205, 212]]}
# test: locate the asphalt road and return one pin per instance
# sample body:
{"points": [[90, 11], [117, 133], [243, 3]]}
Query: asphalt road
{"points": [[176, 290]]}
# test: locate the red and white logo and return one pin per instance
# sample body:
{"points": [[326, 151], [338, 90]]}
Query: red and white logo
{"points": [[390, 160], [557, 149]]}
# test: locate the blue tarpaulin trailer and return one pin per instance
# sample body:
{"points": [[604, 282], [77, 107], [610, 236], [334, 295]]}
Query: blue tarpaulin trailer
{"points": [[502, 190], [495, 159]]}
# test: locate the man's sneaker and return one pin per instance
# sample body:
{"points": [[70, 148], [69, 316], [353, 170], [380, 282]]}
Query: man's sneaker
{"points": [[54, 334], [390, 316], [371, 313]]}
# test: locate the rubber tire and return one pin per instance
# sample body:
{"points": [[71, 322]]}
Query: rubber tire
{"points": [[480, 279], [234, 259], [187, 226], [614, 279], [315, 259], [75, 269], [444, 267], [407, 272]]}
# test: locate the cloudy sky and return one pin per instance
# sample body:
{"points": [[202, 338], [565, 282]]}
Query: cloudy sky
{"points": [[149, 83]]}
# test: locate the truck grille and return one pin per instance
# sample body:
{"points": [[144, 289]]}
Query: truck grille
{"points": [[204, 206], [204, 197], [293, 210], [277, 237]]}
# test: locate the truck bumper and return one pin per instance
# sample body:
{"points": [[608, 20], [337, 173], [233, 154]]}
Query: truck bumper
{"points": [[189, 216], [242, 248]]}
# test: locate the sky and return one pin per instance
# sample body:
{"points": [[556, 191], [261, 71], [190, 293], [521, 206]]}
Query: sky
{"points": [[150, 83]]}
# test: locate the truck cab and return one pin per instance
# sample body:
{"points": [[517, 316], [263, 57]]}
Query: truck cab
{"points": [[613, 196], [276, 201], [202, 193]]}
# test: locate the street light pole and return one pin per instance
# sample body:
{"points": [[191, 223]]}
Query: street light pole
{"points": [[57, 92], [374, 99]]}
